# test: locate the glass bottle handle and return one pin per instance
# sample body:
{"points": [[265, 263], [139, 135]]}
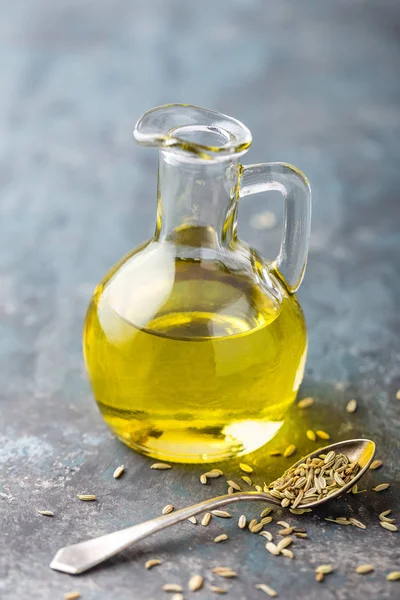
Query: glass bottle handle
{"points": [[294, 187]]}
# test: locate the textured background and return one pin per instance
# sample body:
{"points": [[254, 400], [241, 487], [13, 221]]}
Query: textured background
{"points": [[318, 84]]}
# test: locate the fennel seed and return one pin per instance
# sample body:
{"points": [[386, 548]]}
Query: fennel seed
{"points": [[311, 435], [246, 468], [272, 548], [287, 541], [195, 583], [357, 523], [192, 520], [86, 497], [153, 562], [375, 464], [160, 466], [234, 485], [206, 519], [221, 513], [381, 487], [288, 553], [267, 534], [324, 569], [384, 516], [214, 473], [266, 589], [283, 523], [322, 435], [247, 479], [220, 538], [224, 572], [388, 526], [168, 508], [118, 471], [393, 576], [289, 451], [351, 406], [242, 522], [218, 590], [203, 479], [72, 596], [46, 513], [306, 402], [286, 531], [172, 587], [364, 569]]}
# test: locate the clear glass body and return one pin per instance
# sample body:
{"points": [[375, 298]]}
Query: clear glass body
{"points": [[194, 345]]}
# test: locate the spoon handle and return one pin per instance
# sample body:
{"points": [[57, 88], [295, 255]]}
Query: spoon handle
{"points": [[80, 557]]}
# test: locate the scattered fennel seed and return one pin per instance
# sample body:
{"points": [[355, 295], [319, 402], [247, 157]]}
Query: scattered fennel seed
{"points": [[160, 466], [46, 513], [172, 587], [220, 538], [214, 473], [86, 497], [351, 406], [168, 508], [218, 590], [72, 596], [324, 569], [224, 572], [195, 583], [289, 451], [221, 513], [375, 464], [322, 435], [266, 589], [242, 522], [206, 519], [311, 435], [118, 471], [247, 479], [246, 468], [153, 562], [306, 402], [272, 548], [381, 487], [357, 523], [234, 485], [393, 576], [388, 526], [364, 569]]}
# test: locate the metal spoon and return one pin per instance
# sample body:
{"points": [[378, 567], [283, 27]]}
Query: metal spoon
{"points": [[80, 557]]}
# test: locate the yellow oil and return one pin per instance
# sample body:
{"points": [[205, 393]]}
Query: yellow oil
{"points": [[189, 362]]}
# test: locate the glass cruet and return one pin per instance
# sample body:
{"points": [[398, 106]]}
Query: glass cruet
{"points": [[195, 345]]}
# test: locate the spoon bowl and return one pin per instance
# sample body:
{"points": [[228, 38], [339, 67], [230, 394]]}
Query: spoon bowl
{"points": [[359, 450], [80, 557]]}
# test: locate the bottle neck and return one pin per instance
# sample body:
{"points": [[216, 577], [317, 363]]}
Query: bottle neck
{"points": [[196, 200]]}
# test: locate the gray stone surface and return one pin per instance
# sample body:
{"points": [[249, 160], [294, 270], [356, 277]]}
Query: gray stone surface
{"points": [[318, 84]]}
